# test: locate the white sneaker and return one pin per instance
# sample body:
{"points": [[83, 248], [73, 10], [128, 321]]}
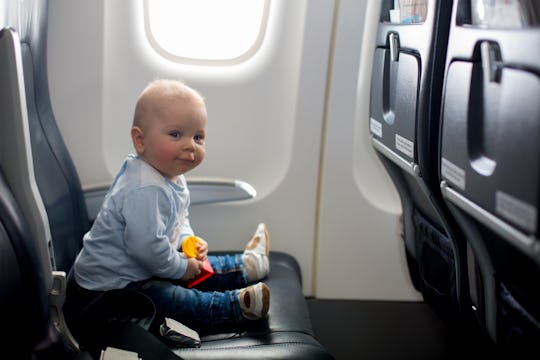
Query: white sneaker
{"points": [[255, 256], [254, 301]]}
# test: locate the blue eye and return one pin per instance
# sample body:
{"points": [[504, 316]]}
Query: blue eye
{"points": [[175, 134], [199, 138]]}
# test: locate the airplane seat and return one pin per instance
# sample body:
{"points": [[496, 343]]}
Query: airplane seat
{"points": [[406, 87], [55, 173], [489, 169], [30, 333], [59, 206], [23, 294]]}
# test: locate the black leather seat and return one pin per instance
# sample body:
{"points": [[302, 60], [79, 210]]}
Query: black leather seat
{"points": [[286, 334], [23, 296]]}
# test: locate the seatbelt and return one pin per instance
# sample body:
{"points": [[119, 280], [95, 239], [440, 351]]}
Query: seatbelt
{"points": [[122, 319], [132, 337]]}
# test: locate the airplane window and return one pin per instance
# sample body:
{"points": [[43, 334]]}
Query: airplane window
{"points": [[206, 31]]}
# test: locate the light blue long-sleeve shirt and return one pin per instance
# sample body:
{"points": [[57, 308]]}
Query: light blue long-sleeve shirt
{"points": [[143, 219]]}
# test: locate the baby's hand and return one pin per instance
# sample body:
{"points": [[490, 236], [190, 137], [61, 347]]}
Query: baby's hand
{"points": [[193, 269], [202, 250]]}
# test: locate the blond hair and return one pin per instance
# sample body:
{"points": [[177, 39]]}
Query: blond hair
{"points": [[147, 103]]}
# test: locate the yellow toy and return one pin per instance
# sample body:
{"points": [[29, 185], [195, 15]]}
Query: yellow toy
{"points": [[189, 248]]}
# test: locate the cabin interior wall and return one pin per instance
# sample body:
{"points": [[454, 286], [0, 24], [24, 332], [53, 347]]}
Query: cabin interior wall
{"points": [[269, 118], [358, 200]]}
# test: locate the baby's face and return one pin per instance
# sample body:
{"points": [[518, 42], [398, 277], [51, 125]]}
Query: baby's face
{"points": [[174, 139]]}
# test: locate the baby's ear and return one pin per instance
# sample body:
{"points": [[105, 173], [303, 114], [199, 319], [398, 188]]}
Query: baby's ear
{"points": [[137, 136]]}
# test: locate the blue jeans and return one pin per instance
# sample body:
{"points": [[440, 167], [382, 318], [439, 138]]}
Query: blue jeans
{"points": [[212, 302]]}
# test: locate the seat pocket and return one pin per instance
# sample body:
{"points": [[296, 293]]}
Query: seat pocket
{"points": [[518, 317], [437, 267]]}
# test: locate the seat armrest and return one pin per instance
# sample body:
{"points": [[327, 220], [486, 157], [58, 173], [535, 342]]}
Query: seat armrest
{"points": [[214, 190], [202, 191]]}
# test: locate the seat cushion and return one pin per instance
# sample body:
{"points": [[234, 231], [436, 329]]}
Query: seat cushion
{"points": [[285, 334]]}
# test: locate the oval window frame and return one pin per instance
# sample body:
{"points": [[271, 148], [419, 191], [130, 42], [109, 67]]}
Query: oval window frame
{"points": [[252, 50]]}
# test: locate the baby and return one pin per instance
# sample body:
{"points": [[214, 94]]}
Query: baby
{"points": [[135, 241]]}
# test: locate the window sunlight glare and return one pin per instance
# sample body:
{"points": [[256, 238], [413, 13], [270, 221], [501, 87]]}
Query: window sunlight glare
{"points": [[205, 29]]}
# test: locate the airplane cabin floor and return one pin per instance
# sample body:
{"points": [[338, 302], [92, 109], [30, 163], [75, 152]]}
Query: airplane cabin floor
{"points": [[384, 330]]}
